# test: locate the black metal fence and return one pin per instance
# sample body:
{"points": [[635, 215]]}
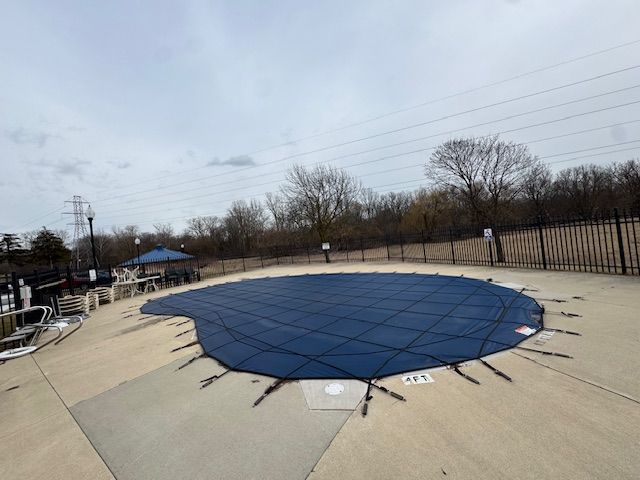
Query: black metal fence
{"points": [[604, 243]]}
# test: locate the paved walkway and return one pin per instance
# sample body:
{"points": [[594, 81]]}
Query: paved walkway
{"points": [[108, 402]]}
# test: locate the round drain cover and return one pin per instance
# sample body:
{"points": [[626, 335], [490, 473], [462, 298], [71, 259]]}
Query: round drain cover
{"points": [[334, 389]]}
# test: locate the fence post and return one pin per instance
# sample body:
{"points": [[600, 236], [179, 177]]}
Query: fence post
{"points": [[244, 266], [222, 257], [198, 267], [424, 249], [347, 240], [70, 281], [542, 250], [623, 262], [401, 248], [261, 261], [453, 253], [362, 248], [17, 304], [489, 243], [386, 238], [308, 254], [277, 258]]}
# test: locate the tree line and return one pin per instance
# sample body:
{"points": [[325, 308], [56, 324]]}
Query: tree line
{"points": [[479, 181]]}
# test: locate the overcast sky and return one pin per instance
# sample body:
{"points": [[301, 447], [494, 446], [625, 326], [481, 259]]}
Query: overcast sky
{"points": [[158, 111]]}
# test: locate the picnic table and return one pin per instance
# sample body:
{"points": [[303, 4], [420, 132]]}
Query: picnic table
{"points": [[138, 286]]}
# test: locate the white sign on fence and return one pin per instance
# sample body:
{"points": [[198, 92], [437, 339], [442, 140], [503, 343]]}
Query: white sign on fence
{"points": [[488, 234], [326, 246], [92, 275]]}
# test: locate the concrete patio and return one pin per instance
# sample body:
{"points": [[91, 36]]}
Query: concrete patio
{"points": [[110, 402]]}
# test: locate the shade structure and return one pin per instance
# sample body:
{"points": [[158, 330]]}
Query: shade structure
{"points": [[358, 326], [158, 254]]}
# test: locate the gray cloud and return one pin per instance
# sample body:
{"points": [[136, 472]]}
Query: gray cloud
{"points": [[237, 161], [71, 168], [74, 167], [22, 136], [121, 164]]}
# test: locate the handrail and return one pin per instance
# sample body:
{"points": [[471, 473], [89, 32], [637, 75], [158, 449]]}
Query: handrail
{"points": [[46, 312]]}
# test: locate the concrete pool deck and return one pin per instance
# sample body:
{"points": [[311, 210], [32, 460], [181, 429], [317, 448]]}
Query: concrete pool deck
{"points": [[108, 402]]}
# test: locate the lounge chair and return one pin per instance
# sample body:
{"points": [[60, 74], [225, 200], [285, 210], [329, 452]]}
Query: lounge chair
{"points": [[28, 335]]}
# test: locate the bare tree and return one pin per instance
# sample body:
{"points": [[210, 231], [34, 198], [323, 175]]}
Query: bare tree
{"points": [[164, 234], [585, 189], [392, 209], [538, 187], [627, 178], [124, 241], [430, 208], [277, 206], [244, 222], [319, 196], [486, 172], [104, 248], [370, 201], [204, 227]]}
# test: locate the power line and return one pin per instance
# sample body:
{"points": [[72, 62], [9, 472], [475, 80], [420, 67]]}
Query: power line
{"points": [[415, 125], [395, 169], [386, 157], [39, 218], [548, 163], [447, 97], [510, 117], [419, 105], [379, 186], [433, 147], [511, 130]]}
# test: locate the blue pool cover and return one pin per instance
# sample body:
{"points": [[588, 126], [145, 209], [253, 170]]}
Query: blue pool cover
{"points": [[360, 325]]}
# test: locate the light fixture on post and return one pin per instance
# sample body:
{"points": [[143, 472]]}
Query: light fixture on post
{"points": [[137, 242], [182, 247], [90, 216]]}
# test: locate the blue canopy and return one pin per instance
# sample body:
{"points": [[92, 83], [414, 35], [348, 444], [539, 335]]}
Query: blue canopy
{"points": [[158, 254], [356, 325]]}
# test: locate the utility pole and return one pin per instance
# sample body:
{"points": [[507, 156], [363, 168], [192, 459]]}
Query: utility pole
{"points": [[79, 225]]}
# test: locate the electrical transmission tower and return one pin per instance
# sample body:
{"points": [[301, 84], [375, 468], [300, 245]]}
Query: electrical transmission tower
{"points": [[80, 227]]}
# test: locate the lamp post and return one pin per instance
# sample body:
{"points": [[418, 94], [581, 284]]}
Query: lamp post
{"points": [[182, 247], [137, 242], [90, 216]]}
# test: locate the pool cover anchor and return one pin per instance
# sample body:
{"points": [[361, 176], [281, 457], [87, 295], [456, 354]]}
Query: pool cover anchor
{"points": [[190, 361], [270, 389], [559, 330], [496, 371], [209, 380], [464, 375], [367, 397], [190, 344], [184, 333], [395, 395], [544, 352]]}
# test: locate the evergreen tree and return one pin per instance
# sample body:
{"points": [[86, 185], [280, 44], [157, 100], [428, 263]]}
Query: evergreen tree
{"points": [[47, 248]]}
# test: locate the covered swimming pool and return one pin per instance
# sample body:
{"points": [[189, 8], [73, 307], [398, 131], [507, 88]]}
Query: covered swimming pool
{"points": [[353, 325]]}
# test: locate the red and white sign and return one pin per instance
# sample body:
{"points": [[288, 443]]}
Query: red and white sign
{"points": [[525, 330]]}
